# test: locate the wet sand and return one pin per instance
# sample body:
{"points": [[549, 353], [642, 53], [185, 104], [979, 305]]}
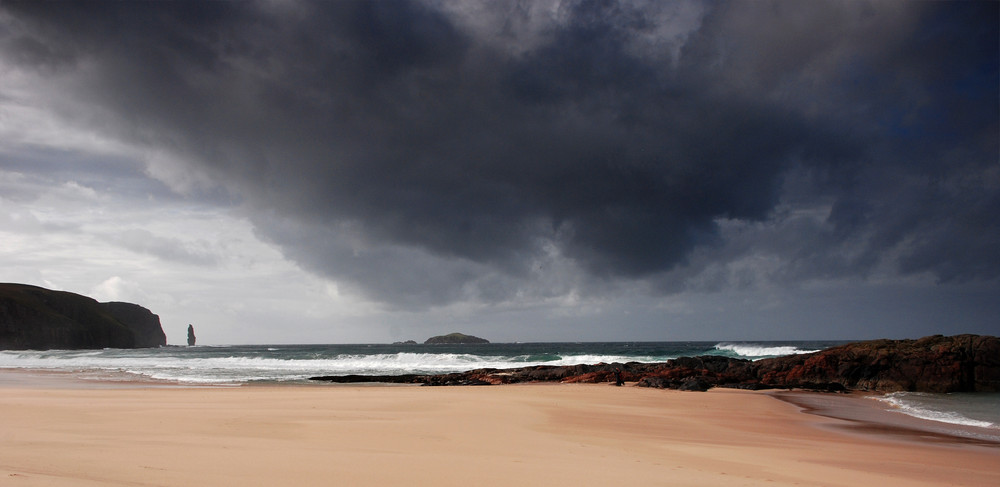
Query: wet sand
{"points": [[56, 431], [860, 413]]}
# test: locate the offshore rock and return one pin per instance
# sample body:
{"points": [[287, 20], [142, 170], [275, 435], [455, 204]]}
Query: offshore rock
{"points": [[36, 318], [455, 339]]}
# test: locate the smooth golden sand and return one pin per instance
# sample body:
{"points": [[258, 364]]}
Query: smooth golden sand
{"points": [[523, 435]]}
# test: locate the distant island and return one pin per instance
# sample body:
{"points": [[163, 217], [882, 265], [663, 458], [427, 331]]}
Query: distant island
{"points": [[35, 318], [455, 339]]}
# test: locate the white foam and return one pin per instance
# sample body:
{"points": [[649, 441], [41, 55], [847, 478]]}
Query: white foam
{"points": [[754, 350], [598, 359], [236, 368], [905, 403]]}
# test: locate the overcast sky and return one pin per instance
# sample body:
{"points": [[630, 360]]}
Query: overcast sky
{"points": [[330, 172]]}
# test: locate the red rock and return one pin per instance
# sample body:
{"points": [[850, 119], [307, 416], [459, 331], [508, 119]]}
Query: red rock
{"points": [[937, 363]]}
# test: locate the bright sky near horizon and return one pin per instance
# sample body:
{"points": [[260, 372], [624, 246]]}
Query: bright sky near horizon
{"points": [[362, 171]]}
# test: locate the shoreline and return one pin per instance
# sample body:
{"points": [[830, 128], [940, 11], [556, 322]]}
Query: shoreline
{"points": [[65, 379], [861, 413], [62, 430]]}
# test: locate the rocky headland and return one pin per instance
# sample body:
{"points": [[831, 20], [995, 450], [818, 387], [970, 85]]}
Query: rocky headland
{"points": [[961, 363], [35, 318]]}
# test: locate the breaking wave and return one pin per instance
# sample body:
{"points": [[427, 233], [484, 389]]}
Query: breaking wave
{"points": [[756, 351], [969, 409]]}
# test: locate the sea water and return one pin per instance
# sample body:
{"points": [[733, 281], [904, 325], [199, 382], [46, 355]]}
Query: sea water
{"points": [[978, 409], [282, 363]]}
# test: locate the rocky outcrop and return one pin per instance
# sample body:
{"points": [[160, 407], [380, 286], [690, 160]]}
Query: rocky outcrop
{"points": [[455, 339], [965, 363], [698, 373], [962, 363], [662, 374], [36, 318]]}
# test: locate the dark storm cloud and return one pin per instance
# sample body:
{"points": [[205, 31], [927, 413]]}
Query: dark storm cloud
{"points": [[423, 158]]}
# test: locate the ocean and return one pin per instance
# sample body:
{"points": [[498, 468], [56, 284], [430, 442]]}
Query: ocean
{"points": [[253, 364], [296, 363]]}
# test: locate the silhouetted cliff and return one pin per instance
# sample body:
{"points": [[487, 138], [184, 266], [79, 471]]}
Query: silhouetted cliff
{"points": [[36, 318], [143, 323]]}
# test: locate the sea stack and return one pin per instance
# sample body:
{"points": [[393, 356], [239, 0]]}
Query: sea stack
{"points": [[191, 337]]}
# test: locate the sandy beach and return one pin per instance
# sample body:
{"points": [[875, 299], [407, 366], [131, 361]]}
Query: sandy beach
{"points": [[54, 431]]}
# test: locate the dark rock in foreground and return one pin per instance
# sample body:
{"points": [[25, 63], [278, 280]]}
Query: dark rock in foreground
{"points": [[455, 339], [962, 363], [36, 318]]}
